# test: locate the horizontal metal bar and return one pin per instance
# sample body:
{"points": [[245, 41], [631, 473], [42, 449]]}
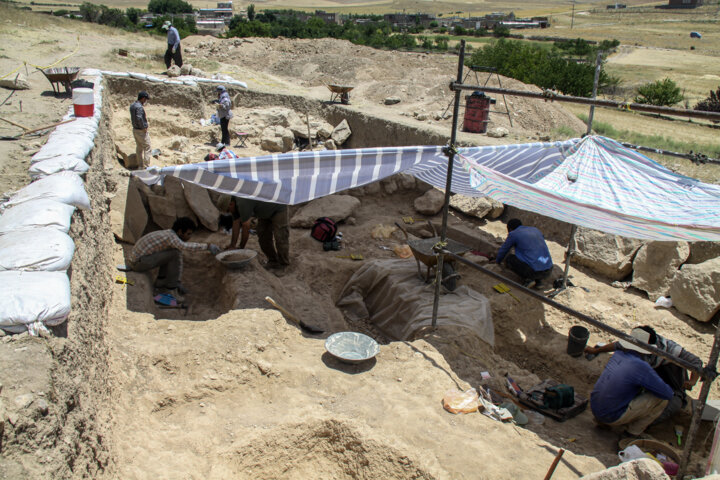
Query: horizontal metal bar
{"points": [[707, 373], [552, 96]]}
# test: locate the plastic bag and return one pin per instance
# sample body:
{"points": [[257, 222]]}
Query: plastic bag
{"points": [[402, 251], [382, 231], [63, 187], [633, 452], [456, 401], [43, 249], [665, 302]]}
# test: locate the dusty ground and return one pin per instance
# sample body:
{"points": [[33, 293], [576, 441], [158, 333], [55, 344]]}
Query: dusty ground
{"points": [[137, 392]]}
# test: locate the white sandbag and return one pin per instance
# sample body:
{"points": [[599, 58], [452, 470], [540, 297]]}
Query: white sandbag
{"points": [[58, 164], [36, 214], [151, 78], [116, 74], [90, 72], [40, 249], [138, 76], [79, 145], [32, 300], [64, 187]]}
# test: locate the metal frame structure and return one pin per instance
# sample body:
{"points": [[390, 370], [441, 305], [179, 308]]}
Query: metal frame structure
{"points": [[708, 373]]}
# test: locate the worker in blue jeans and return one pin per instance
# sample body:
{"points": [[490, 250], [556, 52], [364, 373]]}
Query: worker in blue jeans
{"points": [[532, 260]]}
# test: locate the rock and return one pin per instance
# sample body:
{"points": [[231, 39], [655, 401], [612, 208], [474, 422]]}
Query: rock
{"points": [[608, 255], [24, 400], [341, 133], [42, 406], [703, 251], [695, 289], [329, 145], [498, 132], [479, 207], [655, 265], [162, 211], [174, 71], [641, 469], [200, 203], [128, 217], [337, 207], [175, 192], [186, 69], [18, 81], [405, 181], [430, 203], [123, 156], [389, 185], [324, 131], [422, 117], [391, 100], [178, 143], [196, 72]]}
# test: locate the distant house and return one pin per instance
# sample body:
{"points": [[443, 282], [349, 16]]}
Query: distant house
{"points": [[403, 20], [616, 6], [223, 10], [329, 18], [684, 3]]}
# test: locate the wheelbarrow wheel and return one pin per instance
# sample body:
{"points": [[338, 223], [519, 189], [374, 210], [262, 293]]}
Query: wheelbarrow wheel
{"points": [[449, 277]]}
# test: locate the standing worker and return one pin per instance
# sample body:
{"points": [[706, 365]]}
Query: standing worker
{"points": [[272, 222], [173, 49], [140, 130], [531, 261], [224, 112]]}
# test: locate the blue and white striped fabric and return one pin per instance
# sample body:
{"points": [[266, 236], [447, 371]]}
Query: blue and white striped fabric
{"points": [[594, 182]]}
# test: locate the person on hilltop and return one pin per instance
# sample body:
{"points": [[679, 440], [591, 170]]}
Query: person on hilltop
{"points": [[531, 261], [224, 112], [140, 130], [673, 375], [272, 227], [629, 393], [173, 51], [162, 249]]}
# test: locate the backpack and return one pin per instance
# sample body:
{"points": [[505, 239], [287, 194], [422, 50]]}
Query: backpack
{"points": [[324, 229], [559, 396]]}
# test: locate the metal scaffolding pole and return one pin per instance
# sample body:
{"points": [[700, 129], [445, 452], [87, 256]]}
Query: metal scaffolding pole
{"points": [[451, 160]]}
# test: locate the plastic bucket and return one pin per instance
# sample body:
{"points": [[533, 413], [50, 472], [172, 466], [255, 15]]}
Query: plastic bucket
{"points": [[83, 102], [577, 339]]}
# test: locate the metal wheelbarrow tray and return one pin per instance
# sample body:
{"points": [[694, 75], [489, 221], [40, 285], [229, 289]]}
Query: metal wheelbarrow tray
{"points": [[61, 75], [337, 91]]}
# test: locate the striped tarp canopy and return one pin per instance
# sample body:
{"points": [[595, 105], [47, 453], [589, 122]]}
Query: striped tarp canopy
{"points": [[593, 182]]}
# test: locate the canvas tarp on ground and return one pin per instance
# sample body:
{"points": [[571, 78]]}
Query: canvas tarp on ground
{"points": [[389, 295], [593, 182]]}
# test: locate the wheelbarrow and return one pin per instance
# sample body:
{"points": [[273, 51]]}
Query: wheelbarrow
{"points": [[422, 250], [340, 93], [61, 76]]}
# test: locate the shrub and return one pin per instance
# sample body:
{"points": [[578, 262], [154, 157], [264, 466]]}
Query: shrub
{"points": [[662, 93], [133, 14], [169, 6], [501, 31], [251, 12], [711, 103]]}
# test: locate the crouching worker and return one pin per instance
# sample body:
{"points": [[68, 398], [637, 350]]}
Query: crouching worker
{"points": [[531, 261], [629, 392], [272, 227], [163, 249]]}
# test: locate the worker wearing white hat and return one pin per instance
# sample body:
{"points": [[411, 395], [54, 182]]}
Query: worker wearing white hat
{"points": [[173, 51]]}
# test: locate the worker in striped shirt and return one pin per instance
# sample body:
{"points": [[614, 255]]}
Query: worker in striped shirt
{"points": [[163, 249]]}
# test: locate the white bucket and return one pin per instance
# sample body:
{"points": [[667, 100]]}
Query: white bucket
{"points": [[83, 102]]}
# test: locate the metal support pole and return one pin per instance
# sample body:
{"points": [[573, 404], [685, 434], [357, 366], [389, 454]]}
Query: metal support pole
{"points": [[568, 255], [448, 184], [700, 404], [598, 67]]}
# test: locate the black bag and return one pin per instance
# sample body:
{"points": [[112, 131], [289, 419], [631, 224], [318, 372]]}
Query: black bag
{"points": [[324, 229], [559, 396]]}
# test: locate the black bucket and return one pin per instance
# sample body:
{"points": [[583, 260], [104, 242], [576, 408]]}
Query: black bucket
{"points": [[577, 339]]}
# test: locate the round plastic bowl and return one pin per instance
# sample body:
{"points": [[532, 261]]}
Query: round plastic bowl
{"points": [[234, 259], [351, 347]]}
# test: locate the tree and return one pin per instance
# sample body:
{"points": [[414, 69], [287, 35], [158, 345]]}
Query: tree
{"points": [[251, 12], [434, 24], [169, 6], [662, 93], [711, 103], [133, 14], [500, 30]]}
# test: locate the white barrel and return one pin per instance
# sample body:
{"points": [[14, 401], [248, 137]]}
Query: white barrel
{"points": [[83, 102]]}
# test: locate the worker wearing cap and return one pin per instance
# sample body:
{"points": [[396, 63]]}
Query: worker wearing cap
{"points": [[531, 261], [140, 130], [224, 153], [272, 227], [224, 112], [674, 375], [173, 49], [629, 392]]}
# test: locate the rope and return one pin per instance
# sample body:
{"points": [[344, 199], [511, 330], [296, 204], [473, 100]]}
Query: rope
{"points": [[77, 47], [624, 106]]}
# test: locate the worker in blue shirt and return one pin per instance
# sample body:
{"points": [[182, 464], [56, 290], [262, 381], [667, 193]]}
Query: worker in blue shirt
{"points": [[531, 261], [629, 392], [173, 49]]}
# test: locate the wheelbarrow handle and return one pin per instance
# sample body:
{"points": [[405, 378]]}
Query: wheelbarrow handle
{"points": [[407, 238]]}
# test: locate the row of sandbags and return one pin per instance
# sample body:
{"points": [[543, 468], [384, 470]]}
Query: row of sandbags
{"points": [[35, 248]]}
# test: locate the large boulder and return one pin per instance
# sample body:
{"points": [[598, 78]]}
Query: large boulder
{"points": [[174, 71], [199, 201], [128, 217], [341, 133], [178, 144], [175, 192], [430, 203], [479, 207], [277, 139], [186, 69], [641, 469], [337, 207], [703, 251], [162, 211], [17, 81], [655, 265], [609, 255], [695, 289], [498, 132]]}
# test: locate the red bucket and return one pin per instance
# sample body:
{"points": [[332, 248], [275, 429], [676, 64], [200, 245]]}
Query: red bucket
{"points": [[83, 102]]}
